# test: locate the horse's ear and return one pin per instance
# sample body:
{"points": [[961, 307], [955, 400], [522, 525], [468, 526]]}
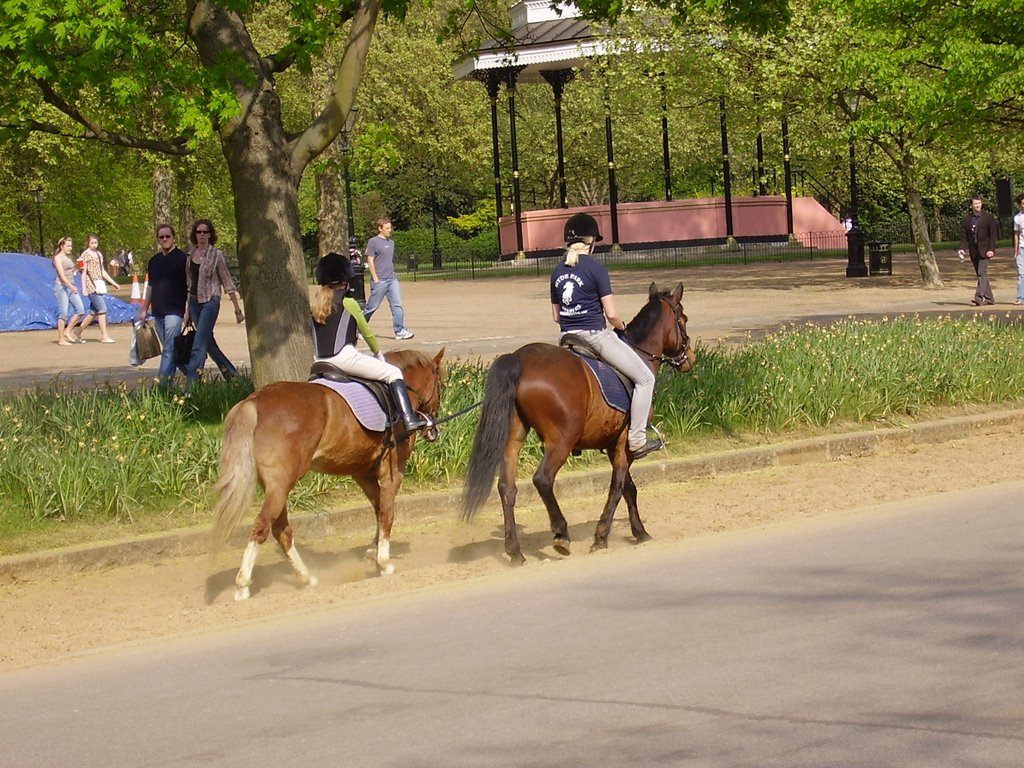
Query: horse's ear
{"points": [[438, 356], [652, 291], [677, 294]]}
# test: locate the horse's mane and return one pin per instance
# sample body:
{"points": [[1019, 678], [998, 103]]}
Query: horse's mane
{"points": [[641, 326], [409, 358]]}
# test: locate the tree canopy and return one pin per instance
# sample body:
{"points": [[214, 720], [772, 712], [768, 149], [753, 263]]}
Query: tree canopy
{"points": [[273, 83]]}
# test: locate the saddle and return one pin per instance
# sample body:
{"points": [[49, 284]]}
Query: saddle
{"points": [[616, 389], [580, 346], [378, 389]]}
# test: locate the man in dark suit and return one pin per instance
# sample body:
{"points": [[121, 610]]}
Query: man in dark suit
{"points": [[978, 234]]}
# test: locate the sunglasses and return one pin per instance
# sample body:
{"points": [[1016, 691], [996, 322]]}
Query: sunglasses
{"points": [[165, 237], [202, 231]]}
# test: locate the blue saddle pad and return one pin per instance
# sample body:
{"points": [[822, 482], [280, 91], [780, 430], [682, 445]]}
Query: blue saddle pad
{"points": [[364, 405], [612, 388]]}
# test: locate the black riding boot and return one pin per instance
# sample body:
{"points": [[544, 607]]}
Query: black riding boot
{"points": [[410, 418]]}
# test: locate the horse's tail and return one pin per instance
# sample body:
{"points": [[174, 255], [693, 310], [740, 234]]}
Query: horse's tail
{"points": [[491, 432], [237, 482]]}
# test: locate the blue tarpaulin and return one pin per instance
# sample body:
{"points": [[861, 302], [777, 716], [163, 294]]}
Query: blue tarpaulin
{"points": [[27, 302]]}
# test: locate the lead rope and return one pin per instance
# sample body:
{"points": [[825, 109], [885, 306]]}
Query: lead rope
{"points": [[455, 415]]}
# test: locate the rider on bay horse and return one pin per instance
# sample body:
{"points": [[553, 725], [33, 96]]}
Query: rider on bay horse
{"points": [[582, 304], [336, 319]]}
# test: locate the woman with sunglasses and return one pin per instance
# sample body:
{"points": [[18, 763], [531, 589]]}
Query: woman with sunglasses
{"points": [[207, 277]]}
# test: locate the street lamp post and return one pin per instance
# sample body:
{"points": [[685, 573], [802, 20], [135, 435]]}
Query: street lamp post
{"points": [[38, 195], [346, 150], [855, 266], [436, 251]]}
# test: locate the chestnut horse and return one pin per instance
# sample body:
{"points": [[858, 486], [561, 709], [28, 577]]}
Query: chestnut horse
{"points": [[286, 429], [552, 391]]}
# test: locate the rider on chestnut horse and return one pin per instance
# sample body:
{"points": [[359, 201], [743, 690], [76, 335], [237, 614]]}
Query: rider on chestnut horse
{"points": [[582, 304], [336, 320]]}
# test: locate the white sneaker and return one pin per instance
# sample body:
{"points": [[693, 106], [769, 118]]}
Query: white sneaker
{"points": [[404, 334]]}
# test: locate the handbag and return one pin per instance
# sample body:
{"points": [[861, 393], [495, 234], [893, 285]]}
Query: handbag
{"points": [[101, 286], [133, 349], [183, 346], [147, 341]]}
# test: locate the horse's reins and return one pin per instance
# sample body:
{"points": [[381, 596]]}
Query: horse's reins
{"points": [[449, 417], [455, 415], [389, 442], [675, 360]]}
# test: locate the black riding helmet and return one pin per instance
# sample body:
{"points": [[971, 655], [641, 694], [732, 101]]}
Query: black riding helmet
{"points": [[333, 269], [581, 225]]}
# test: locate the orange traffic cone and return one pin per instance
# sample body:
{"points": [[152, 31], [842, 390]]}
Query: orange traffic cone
{"points": [[136, 297]]}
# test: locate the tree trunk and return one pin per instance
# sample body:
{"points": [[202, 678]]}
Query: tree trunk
{"points": [[903, 159], [163, 184], [186, 213], [266, 165], [937, 213], [27, 213], [331, 212], [274, 284], [919, 228]]}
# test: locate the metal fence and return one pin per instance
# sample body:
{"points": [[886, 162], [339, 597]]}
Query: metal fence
{"points": [[945, 229], [806, 246]]}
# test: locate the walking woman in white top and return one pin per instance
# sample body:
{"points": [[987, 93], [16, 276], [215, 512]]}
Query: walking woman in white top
{"points": [[96, 283]]}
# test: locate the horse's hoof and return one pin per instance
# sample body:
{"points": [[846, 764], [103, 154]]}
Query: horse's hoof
{"points": [[242, 593], [562, 546], [642, 537], [597, 546], [313, 581], [517, 560]]}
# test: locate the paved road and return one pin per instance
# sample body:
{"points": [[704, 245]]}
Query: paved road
{"points": [[485, 317], [888, 638]]}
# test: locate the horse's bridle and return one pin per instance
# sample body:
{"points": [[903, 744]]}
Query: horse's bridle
{"points": [[682, 356], [431, 406]]}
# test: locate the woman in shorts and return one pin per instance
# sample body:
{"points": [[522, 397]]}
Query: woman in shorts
{"points": [[96, 282], [68, 297]]}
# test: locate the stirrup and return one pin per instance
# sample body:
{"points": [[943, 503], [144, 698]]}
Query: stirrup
{"points": [[653, 444], [423, 422]]}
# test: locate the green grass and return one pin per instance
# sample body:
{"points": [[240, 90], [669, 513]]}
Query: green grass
{"points": [[111, 461], [851, 371]]}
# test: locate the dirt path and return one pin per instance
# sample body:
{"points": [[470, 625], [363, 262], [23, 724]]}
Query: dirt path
{"points": [[49, 620]]}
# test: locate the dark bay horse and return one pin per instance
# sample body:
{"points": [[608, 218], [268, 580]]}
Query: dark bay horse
{"points": [[286, 429], [552, 391]]}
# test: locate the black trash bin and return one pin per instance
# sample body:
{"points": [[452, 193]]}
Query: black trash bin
{"points": [[880, 258], [358, 284]]}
